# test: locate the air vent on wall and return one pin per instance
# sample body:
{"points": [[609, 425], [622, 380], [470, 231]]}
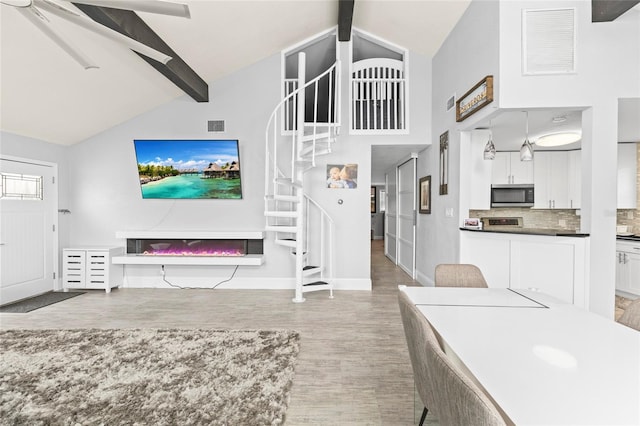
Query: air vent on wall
{"points": [[548, 41], [451, 102], [215, 125]]}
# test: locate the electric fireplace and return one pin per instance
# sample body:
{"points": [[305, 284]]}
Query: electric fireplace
{"points": [[192, 248]]}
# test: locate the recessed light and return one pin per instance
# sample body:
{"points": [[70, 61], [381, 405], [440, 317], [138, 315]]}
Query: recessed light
{"points": [[559, 119], [558, 139]]}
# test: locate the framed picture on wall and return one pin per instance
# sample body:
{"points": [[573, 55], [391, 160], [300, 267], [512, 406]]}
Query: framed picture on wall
{"points": [[373, 199], [424, 202], [444, 163]]}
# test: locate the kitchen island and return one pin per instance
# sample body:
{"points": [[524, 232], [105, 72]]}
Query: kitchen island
{"points": [[550, 261]]}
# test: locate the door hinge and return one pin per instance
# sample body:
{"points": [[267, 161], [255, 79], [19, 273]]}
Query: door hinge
{"points": [[53, 179], [54, 275], [54, 228]]}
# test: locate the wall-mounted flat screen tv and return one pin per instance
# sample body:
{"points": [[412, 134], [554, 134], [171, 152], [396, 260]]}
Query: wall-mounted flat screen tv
{"points": [[188, 169]]}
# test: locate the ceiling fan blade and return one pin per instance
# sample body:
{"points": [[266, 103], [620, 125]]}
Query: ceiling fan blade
{"points": [[33, 15], [97, 28], [151, 6]]}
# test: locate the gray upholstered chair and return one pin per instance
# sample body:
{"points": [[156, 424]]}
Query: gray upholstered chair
{"points": [[458, 400], [442, 387], [417, 332], [458, 275], [631, 315]]}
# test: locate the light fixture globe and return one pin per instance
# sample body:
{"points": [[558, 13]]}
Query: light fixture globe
{"points": [[558, 139], [489, 148], [526, 150]]}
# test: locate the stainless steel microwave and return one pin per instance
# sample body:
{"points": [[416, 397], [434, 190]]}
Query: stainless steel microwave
{"points": [[512, 195]]}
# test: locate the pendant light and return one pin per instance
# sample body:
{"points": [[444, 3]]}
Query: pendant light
{"points": [[490, 149], [526, 151]]}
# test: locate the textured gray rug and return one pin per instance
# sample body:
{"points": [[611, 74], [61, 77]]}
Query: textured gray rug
{"points": [[145, 377]]}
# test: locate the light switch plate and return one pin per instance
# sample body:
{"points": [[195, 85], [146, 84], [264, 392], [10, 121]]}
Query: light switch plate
{"points": [[448, 212]]}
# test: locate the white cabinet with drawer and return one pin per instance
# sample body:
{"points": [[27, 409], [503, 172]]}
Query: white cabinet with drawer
{"points": [[628, 267], [91, 268]]}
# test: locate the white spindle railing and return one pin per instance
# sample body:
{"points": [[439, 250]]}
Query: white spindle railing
{"points": [[378, 90]]}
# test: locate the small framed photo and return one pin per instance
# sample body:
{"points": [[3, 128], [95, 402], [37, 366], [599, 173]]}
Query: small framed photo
{"points": [[424, 204]]}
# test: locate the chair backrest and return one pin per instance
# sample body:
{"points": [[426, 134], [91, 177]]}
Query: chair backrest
{"points": [[458, 275], [458, 400], [631, 315], [418, 332]]}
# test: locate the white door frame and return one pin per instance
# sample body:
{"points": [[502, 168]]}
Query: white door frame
{"points": [[57, 283]]}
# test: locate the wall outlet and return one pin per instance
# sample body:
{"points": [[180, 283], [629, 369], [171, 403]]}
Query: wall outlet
{"points": [[448, 212], [562, 223], [630, 214]]}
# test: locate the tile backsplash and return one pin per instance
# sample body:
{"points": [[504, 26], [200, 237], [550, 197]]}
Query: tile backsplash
{"points": [[535, 218]]}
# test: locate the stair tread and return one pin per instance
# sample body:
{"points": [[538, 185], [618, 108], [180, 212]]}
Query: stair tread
{"points": [[289, 182], [316, 283]]}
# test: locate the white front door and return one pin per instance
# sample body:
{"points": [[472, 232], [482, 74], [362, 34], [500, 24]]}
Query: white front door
{"points": [[28, 203], [407, 216]]}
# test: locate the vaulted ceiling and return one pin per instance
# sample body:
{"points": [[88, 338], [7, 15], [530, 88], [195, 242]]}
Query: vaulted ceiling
{"points": [[46, 95]]}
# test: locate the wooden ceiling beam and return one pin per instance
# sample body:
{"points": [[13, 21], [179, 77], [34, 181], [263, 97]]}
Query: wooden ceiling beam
{"points": [[345, 19], [609, 10], [130, 24]]}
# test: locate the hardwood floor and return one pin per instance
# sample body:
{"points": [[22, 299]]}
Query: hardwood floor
{"points": [[353, 367]]}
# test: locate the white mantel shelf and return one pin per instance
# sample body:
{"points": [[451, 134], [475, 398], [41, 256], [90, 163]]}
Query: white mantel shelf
{"points": [[136, 259], [187, 235]]}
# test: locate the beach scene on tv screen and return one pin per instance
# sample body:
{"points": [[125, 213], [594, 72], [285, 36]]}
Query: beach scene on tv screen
{"points": [[188, 169]]}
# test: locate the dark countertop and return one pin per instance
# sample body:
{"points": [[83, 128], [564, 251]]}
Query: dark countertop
{"points": [[631, 238], [532, 231]]}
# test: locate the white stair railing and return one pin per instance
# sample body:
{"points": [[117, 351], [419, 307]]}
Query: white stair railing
{"points": [[289, 213]]}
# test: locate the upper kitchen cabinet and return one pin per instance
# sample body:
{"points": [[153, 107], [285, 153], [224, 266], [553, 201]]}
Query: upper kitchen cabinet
{"points": [[627, 176], [508, 169], [575, 179], [551, 180]]}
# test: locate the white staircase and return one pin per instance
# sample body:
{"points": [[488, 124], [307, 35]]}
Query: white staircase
{"points": [[298, 222]]}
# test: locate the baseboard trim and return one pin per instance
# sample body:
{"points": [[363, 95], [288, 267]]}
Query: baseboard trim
{"points": [[239, 283]]}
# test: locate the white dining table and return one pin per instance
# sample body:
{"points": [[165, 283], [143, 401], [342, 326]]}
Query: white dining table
{"points": [[542, 361]]}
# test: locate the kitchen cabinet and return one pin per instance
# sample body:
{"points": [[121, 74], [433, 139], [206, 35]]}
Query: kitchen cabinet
{"points": [[550, 264], [628, 268], [91, 268], [575, 179], [507, 169], [627, 176], [551, 175]]}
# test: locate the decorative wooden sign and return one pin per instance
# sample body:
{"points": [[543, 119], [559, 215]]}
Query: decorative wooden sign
{"points": [[475, 99]]}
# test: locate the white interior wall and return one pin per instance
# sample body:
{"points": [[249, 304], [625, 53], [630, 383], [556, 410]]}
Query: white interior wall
{"points": [[608, 66], [469, 53]]}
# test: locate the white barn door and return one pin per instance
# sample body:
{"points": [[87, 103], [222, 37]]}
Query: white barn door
{"points": [[390, 217], [406, 238], [28, 205]]}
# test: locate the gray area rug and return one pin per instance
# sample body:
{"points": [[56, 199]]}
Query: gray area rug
{"points": [[36, 302], [145, 377]]}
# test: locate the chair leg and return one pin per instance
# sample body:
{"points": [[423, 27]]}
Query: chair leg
{"points": [[424, 416]]}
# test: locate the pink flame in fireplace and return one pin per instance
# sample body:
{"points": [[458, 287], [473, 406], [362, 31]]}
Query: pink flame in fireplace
{"points": [[188, 252], [193, 249]]}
